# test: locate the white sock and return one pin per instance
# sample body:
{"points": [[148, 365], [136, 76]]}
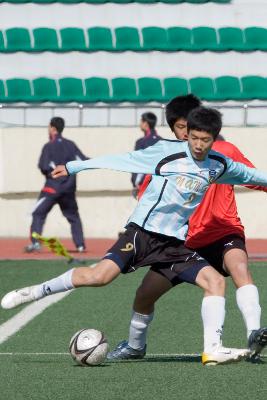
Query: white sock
{"points": [[60, 284], [138, 330], [247, 298], [213, 314]]}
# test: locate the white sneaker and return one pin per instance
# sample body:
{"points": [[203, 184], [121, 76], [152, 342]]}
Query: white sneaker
{"points": [[224, 355], [19, 296]]}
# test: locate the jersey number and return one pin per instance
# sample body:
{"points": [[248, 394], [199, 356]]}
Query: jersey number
{"points": [[190, 198]]}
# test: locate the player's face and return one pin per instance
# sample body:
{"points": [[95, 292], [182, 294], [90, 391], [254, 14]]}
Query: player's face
{"points": [[51, 132], [143, 126], [180, 129], [200, 143]]}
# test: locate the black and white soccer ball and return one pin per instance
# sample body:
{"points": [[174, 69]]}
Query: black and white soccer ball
{"points": [[88, 347]]}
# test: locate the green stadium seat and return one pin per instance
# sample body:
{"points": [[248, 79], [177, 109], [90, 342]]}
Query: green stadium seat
{"points": [[2, 92], [172, 1], [70, 89], [123, 89], [18, 90], [96, 89], [197, 1], [45, 39], [100, 38], [154, 38], [127, 38], [204, 38], [42, 1], [149, 89], [2, 44], [179, 38], [254, 87], [18, 39], [255, 38], [227, 88], [44, 89], [116, 1], [202, 87], [121, 1], [72, 39], [174, 87], [144, 1], [95, 1], [231, 39], [207, 1]]}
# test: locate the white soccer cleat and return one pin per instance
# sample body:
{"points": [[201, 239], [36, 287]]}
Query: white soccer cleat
{"points": [[224, 355], [19, 296]]}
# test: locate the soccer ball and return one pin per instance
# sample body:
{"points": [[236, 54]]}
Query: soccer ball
{"points": [[88, 347]]}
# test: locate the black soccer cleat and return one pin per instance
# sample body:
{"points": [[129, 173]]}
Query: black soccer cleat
{"points": [[256, 343]]}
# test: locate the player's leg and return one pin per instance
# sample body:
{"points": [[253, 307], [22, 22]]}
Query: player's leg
{"points": [[69, 208], [153, 286], [42, 207], [213, 315], [102, 274], [114, 262], [247, 295]]}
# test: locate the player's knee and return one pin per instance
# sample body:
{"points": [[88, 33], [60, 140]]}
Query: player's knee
{"points": [[100, 278], [216, 285], [240, 274]]}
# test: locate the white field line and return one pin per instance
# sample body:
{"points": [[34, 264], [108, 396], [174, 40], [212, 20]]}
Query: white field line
{"points": [[21, 319]]}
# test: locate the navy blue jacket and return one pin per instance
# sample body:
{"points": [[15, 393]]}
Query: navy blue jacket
{"points": [[142, 144], [54, 153]]}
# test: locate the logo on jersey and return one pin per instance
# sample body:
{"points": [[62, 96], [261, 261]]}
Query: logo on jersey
{"points": [[129, 247], [229, 243], [212, 175]]}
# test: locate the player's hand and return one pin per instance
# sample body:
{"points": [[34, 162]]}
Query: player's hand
{"points": [[59, 171]]}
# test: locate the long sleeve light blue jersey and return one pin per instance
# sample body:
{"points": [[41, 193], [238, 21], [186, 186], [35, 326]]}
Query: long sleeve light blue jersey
{"points": [[178, 182]]}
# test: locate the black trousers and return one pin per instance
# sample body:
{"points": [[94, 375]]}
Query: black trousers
{"points": [[69, 208]]}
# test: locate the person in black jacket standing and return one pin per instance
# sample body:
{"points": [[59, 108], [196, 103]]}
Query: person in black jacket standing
{"points": [[62, 191], [147, 125]]}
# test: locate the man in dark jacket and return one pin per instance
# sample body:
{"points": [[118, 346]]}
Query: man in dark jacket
{"points": [[147, 125], [62, 191]]}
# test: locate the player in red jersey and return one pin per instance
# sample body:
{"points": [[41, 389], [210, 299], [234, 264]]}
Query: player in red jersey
{"points": [[217, 234]]}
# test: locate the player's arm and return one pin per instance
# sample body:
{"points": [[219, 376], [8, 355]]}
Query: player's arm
{"points": [[45, 164], [141, 161], [78, 154], [238, 174], [239, 157]]}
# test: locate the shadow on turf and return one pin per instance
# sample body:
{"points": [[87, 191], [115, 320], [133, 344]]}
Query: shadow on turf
{"points": [[162, 359]]}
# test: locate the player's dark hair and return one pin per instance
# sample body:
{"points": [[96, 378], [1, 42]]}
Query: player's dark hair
{"points": [[58, 123], [180, 107], [150, 118], [205, 119]]}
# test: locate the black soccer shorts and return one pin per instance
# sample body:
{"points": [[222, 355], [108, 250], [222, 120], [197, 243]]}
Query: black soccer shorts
{"points": [[213, 253], [137, 248]]}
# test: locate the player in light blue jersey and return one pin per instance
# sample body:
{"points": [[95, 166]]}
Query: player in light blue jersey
{"points": [[182, 172]]}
